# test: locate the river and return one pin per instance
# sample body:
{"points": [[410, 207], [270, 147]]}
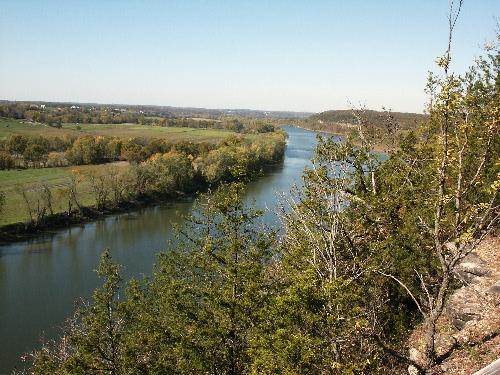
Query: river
{"points": [[41, 279]]}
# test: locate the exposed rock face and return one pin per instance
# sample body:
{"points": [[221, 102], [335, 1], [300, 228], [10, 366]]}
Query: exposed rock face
{"points": [[469, 330]]}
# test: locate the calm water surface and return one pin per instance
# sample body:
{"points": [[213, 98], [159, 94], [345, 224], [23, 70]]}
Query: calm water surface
{"points": [[41, 279]]}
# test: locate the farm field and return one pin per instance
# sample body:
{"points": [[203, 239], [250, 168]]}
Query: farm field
{"points": [[10, 126], [55, 178]]}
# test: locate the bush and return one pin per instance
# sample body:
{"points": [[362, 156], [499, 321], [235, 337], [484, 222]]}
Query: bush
{"points": [[57, 159], [133, 152], [6, 161], [2, 201], [35, 154], [171, 172], [17, 144], [87, 150]]}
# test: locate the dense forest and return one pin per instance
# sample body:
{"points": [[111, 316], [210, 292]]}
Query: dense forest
{"points": [[368, 251]]}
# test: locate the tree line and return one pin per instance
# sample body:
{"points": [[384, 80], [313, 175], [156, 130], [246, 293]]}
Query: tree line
{"points": [[368, 251], [27, 151], [239, 125], [58, 114], [170, 170]]}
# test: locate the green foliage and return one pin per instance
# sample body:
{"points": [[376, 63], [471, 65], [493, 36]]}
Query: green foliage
{"points": [[237, 159], [198, 313], [170, 172], [35, 153], [17, 144], [211, 287], [95, 338], [87, 150], [368, 250]]}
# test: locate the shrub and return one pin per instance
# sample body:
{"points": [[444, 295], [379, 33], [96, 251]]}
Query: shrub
{"points": [[6, 161], [171, 172], [87, 150], [57, 159], [35, 154]]}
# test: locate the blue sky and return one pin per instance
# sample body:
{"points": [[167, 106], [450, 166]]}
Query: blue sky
{"points": [[276, 55]]}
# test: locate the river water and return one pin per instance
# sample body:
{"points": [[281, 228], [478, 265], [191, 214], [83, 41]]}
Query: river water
{"points": [[41, 279]]}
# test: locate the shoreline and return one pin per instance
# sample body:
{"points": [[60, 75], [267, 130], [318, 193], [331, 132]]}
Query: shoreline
{"points": [[24, 231]]}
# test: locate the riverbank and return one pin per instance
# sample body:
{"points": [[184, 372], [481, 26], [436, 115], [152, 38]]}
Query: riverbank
{"points": [[27, 230], [57, 179], [38, 200], [22, 231]]}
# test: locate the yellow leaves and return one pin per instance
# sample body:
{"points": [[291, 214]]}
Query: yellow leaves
{"points": [[466, 237], [495, 185], [489, 46], [442, 62], [155, 157]]}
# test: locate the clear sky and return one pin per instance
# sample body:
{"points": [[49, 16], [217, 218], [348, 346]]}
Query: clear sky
{"points": [[276, 55]]}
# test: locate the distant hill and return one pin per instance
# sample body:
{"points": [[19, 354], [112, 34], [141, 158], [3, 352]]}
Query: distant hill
{"points": [[376, 118], [169, 111]]}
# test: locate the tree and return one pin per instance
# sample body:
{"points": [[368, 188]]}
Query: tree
{"points": [[197, 314], [34, 153], [37, 202], [17, 144], [133, 152], [204, 300], [70, 192], [87, 150], [463, 204], [172, 173], [2, 201], [371, 248], [100, 188], [93, 341], [319, 318]]}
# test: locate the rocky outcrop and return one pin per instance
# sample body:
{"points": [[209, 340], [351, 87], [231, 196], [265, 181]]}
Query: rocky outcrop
{"points": [[469, 330]]}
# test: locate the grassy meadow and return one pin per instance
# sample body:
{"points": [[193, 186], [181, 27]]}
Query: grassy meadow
{"points": [[56, 178], [125, 131]]}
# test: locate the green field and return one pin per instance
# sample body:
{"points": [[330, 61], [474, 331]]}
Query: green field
{"points": [[56, 178], [10, 126]]}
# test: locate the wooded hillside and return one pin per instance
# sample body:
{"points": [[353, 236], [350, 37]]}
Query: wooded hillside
{"points": [[378, 118]]}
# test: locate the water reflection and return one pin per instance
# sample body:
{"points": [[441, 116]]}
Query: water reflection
{"points": [[41, 279]]}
